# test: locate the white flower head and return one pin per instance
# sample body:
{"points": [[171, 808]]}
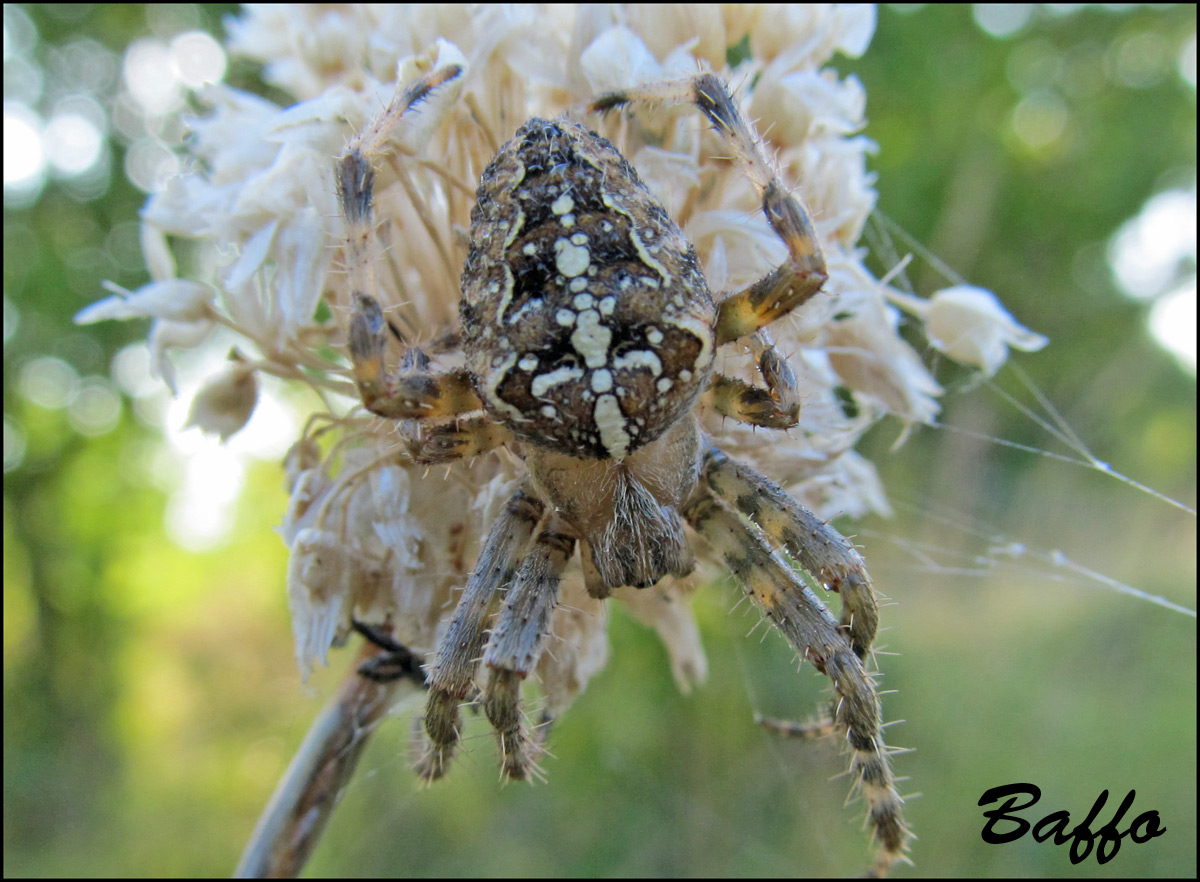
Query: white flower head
{"points": [[370, 533]]}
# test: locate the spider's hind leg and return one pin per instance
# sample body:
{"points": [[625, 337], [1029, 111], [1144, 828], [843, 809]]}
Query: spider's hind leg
{"points": [[452, 675], [811, 630], [820, 549], [516, 644]]}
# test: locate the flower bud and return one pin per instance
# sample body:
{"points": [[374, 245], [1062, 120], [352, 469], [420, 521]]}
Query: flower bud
{"points": [[224, 404], [971, 326]]}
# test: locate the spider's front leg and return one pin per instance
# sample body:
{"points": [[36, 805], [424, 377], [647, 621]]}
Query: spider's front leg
{"points": [[776, 407], [414, 392], [803, 273], [417, 393], [807, 625], [749, 311]]}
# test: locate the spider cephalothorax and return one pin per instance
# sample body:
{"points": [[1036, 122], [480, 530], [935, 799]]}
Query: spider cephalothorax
{"points": [[588, 335]]}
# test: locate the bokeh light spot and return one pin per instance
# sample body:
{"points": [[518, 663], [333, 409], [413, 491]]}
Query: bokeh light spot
{"points": [[1187, 60], [12, 319], [1173, 324], [199, 59], [1039, 119], [20, 34], [24, 161], [72, 144], [1153, 256], [150, 76], [1147, 251], [1002, 19], [14, 445], [1141, 61], [96, 409], [49, 382]]}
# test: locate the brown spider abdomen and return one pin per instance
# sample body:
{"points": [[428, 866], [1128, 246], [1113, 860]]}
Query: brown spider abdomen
{"points": [[587, 322]]}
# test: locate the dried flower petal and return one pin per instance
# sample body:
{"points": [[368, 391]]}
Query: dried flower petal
{"points": [[618, 59], [307, 489], [167, 335], [176, 300], [318, 584], [579, 649]]}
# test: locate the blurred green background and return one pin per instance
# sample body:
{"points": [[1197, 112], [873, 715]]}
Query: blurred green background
{"points": [[150, 697]]}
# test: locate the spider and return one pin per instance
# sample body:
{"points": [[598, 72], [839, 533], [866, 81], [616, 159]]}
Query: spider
{"points": [[588, 334]]}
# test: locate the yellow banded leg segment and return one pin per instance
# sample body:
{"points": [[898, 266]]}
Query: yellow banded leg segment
{"points": [[814, 731], [449, 442], [412, 394], [367, 344], [777, 374], [416, 394], [748, 404], [820, 549], [785, 288], [516, 644], [764, 301], [813, 633]]}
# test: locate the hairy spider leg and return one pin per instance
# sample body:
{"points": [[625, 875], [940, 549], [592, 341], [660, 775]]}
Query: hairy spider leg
{"points": [[452, 675], [414, 392], [777, 373], [775, 407], [516, 644], [822, 551], [439, 443], [810, 629], [516, 582], [748, 404], [801, 275]]}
